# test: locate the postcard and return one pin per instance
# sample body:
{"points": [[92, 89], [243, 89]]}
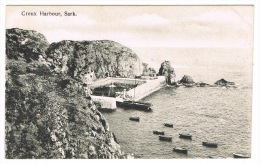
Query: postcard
{"points": [[129, 81]]}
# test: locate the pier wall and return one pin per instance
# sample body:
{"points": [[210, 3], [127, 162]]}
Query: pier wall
{"points": [[144, 88], [105, 102], [109, 80], [147, 88]]}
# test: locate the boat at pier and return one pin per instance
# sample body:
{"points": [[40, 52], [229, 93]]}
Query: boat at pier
{"points": [[236, 155], [165, 138], [210, 144], [168, 125], [135, 105], [135, 118], [185, 136], [158, 132], [180, 150]]}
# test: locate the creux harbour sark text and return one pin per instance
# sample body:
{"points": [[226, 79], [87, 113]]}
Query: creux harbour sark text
{"points": [[48, 13]]}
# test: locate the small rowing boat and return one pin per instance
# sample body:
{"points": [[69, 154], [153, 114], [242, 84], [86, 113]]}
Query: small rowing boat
{"points": [[185, 136], [158, 132], [180, 150], [168, 125], [209, 144], [165, 138], [236, 155], [134, 118]]}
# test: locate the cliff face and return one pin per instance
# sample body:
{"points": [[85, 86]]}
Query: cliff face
{"points": [[105, 58], [25, 44], [48, 113]]}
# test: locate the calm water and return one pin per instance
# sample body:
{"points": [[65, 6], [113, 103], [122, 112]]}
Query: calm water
{"points": [[215, 114]]}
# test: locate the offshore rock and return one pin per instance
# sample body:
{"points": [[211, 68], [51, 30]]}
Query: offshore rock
{"points": [[167, 71], [187, 80], [148, 71], [223, 82]]}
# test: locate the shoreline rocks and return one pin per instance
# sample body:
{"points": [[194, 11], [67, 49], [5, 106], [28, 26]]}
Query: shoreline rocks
{"points": [[223, 82], [186, 80]]}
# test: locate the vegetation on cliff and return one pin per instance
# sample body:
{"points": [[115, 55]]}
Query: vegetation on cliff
{"points": [[48, 113]]}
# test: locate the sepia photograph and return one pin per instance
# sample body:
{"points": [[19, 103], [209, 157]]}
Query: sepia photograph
{"points": [[128, 81]]}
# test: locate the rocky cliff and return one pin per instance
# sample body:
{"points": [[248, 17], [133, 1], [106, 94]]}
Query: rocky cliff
{"points": [[25, 44], [48, 113], [168, 71], [104, 58]]}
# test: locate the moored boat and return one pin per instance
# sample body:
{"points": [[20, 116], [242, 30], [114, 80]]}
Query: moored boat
{"points": [[165, 138], [135, 105], [210, 144], [185, 136], [158, 132], [134, 118], [168, 125], [180, 150], [215, 157], [237, 155]]}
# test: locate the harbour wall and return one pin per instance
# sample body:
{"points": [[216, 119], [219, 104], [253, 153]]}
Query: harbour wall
{"points": [[147, 88], [109, 80], [105, 102], [144, 88]]}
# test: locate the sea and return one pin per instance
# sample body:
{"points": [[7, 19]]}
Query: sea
{"points": [[221, 115]]}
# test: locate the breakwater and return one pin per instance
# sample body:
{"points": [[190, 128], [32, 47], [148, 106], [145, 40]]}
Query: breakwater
{"points": [[105, 102], [147, 88], [141, 88]]}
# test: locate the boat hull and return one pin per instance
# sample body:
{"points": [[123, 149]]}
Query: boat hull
{"points": [[210, 144], [168, 125], [134, 119], [185, 136], [180, 150], [135, 105], [165, 138], [240, 156], [158, 132]]}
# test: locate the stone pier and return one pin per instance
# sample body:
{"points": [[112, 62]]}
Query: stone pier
{"points": [[105, 102]]}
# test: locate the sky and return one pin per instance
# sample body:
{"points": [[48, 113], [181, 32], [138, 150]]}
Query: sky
{"points": [[143, 26]]}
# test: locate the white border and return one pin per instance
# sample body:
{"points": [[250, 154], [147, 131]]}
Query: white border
{"points": [[256, 80]]}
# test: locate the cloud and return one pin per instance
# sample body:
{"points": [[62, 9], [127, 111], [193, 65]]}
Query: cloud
{"points": [[222, 17], [147, 20]]}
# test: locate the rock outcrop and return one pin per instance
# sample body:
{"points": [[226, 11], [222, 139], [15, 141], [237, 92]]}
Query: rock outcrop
{"points": [[48, 113], [104, 58], [223, 82], [148, 71], [25, 44], [167, 71], [187, 80]]}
